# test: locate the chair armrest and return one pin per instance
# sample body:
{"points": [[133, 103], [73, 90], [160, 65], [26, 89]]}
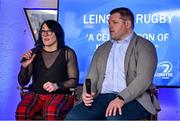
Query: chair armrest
{"points": [[22, 89], [153, 91]]}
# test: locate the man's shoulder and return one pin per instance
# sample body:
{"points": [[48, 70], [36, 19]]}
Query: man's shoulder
{"points": [[104, 45], [141, 41]]}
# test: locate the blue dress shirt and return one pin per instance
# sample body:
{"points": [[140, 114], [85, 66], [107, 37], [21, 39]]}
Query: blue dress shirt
{"points": [[114, 80]]}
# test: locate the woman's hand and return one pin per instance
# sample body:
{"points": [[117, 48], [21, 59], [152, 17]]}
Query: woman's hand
{"points": [[29, 58], [50, 87]]}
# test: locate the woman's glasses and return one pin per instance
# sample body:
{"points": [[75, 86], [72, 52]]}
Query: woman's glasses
{"points": [[46, 32]]}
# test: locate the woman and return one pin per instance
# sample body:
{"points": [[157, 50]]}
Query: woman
{"points": [[54, 70]]}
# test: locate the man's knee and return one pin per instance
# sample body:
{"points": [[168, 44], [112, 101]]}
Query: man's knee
{"points": [[112, 118], [70, 116], [76, 113]]}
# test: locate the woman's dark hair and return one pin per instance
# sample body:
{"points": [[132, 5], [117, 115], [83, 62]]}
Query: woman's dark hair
{"points": [[57, 29], [125, 13]]}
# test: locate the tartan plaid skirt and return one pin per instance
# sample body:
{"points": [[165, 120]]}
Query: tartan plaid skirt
{"points": [[51, 107]]}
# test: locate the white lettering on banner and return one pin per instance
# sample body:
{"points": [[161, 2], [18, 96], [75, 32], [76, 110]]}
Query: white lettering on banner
{"points": [[90, 37], [161, 37], [140, 18], [154, 18], [98, 37], [102, 37], [95, 19], [164, 74]]}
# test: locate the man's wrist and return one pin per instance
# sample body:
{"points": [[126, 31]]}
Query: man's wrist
{"points": [[121, 98]]}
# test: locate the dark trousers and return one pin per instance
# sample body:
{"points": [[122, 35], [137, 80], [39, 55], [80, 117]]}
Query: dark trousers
{"points": [[130, 111]]}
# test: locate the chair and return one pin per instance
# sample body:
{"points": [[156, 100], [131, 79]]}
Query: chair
{"points": [[153, 91], [76, 92], [24, 91]]}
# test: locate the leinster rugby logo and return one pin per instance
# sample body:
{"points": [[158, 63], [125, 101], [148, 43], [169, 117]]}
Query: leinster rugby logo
{"points": [[164, 70]]}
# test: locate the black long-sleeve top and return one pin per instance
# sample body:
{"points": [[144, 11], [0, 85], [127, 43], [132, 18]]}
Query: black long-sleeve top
{"points": [[59, 67]]}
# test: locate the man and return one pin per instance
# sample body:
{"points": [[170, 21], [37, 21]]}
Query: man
{"points": [[121, 72]]}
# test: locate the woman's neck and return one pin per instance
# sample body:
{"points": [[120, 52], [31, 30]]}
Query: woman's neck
{"points": [[50, 48]]}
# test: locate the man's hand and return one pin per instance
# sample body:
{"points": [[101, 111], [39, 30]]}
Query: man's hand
{"points": [[88, 99], [114, 107], [49, 86]]}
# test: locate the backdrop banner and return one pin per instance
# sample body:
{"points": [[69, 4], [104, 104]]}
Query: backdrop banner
{"points": [[86, 27]]}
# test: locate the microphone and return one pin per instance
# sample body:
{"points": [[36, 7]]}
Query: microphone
{"points": [[34, 50], [88, 89], [88, 86]]}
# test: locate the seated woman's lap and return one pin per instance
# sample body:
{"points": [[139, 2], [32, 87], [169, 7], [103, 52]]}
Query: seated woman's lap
{"points": [[52, 106]]}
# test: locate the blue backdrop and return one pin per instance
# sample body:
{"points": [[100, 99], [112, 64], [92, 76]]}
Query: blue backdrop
{"points": [[16, 38], [86, 27]]}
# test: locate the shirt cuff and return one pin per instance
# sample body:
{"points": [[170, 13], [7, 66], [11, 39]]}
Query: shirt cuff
{"points": [[120, 97]]}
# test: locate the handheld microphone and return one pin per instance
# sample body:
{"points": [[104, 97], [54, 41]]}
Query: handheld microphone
{"points": [[34, 50], [88, 89], [88, 86]]}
